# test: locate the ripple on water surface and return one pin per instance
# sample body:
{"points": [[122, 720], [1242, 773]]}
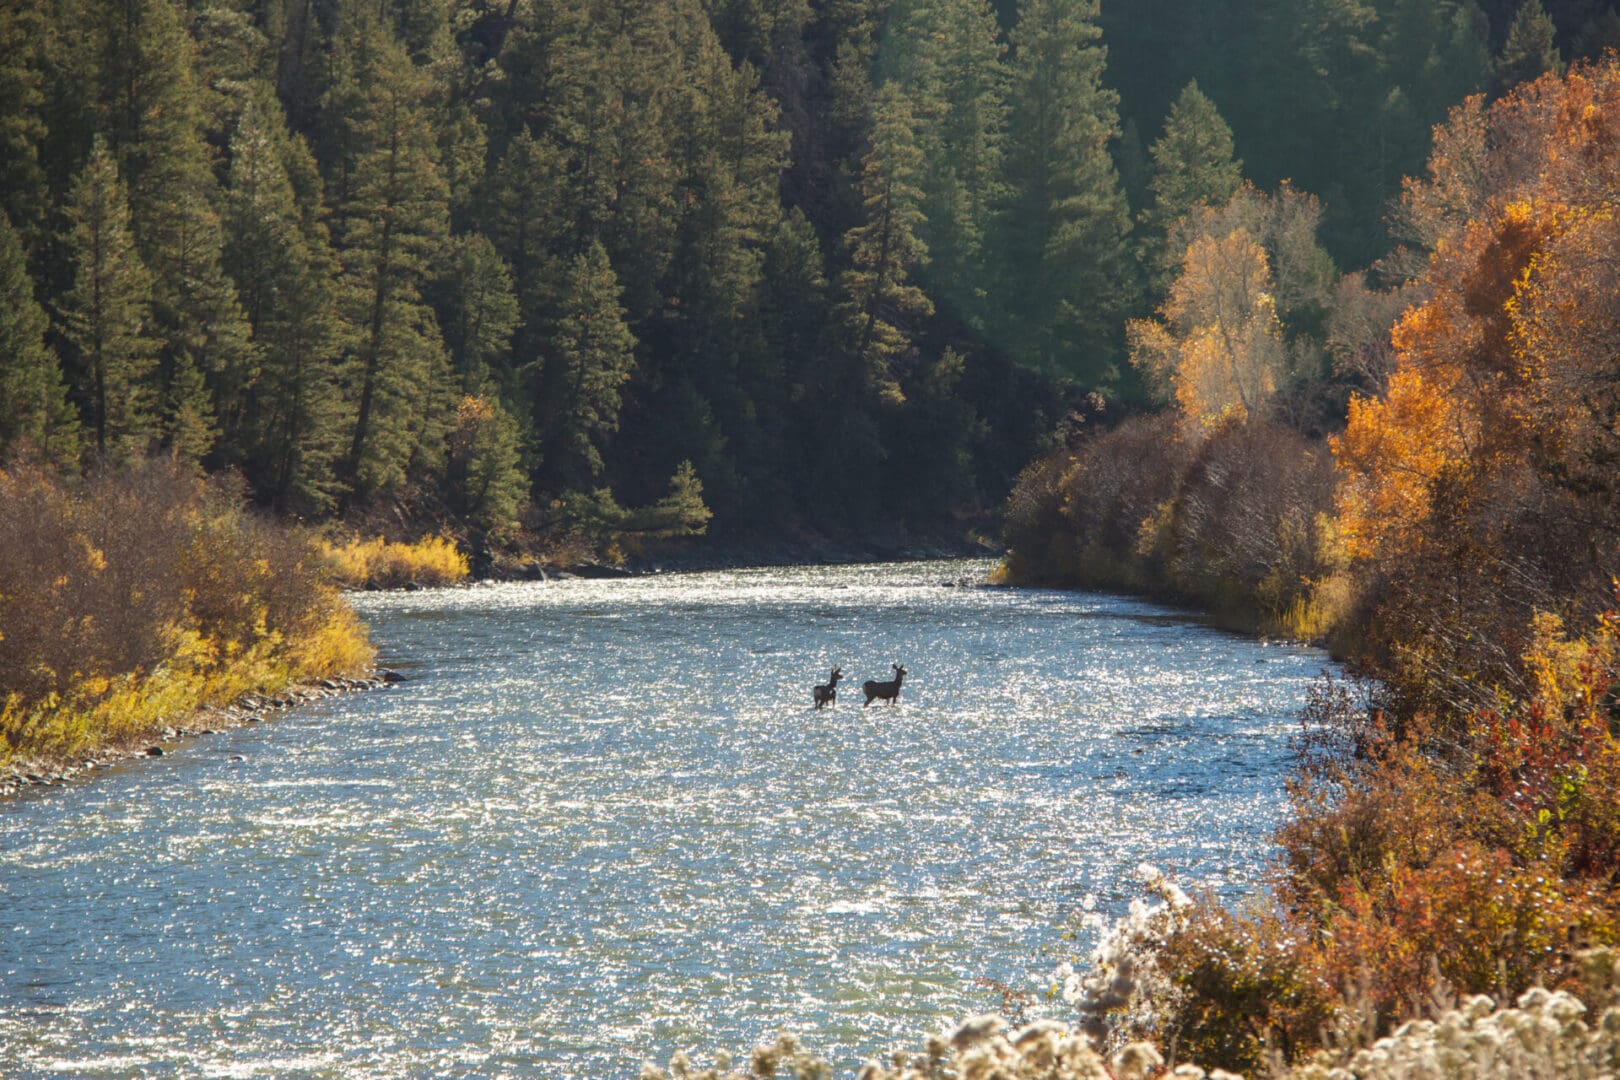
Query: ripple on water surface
{"points": [[601, 823]]}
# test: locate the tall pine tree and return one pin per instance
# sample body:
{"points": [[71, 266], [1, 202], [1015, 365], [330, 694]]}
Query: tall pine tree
{"points": [[150, 103], [1193, 165], [291, 437], [947, 56], [1065, 278], [106, 315], [25, 30], [393, 223], [880, 299], [36, 417], [589, 355]]}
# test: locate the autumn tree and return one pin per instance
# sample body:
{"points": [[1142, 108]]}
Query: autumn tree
{"points": [[1478, 487], [1218, 351], [1239, 320]]}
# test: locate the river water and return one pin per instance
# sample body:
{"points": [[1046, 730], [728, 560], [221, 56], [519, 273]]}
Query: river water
{"points": [[602, 823]]}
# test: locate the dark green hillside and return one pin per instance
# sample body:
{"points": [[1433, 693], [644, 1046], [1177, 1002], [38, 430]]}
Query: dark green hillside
{"points": [[491, 263]]}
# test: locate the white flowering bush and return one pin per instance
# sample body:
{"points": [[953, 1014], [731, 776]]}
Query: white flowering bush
{"points": [[1544, 1035], [980, 1049], [1125, 992]]}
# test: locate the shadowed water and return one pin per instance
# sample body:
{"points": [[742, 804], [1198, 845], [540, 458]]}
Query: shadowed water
{"points": [[602, 823]]}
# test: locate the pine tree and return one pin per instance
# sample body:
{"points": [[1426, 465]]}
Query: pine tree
{"points": [[284, 270], [696, 376], [589, 354], [479, 311], [37, 416], [393, 224], [189, 429], [151, 105], [879, 298], [485, 477], [528, 220], [947, 56], [1530, 50], [1193, 165], [25, 30], [106, 316], [1065, 279]]}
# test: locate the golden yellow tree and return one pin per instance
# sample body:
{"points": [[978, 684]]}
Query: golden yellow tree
{"points": [[1217, 349]]}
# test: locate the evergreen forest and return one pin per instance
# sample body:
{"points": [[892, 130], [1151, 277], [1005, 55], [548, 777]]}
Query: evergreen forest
{"points": [[535, 267]]}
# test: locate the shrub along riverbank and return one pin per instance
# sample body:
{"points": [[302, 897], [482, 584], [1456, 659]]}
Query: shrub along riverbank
{"points": [[142, 593]]}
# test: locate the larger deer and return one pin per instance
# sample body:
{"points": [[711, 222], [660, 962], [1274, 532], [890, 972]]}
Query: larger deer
{"points": [[827, 693], [889, 691]]}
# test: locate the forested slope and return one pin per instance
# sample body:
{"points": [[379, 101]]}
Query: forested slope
{"points": [[518, 262]]}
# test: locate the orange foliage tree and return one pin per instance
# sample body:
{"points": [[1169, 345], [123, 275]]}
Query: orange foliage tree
{"points": [[1462, 837], [1481, 485]]}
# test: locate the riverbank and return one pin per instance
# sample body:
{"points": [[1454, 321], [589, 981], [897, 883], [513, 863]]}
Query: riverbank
{"points": [[19, 775], [1235, 522], [145, 594]]}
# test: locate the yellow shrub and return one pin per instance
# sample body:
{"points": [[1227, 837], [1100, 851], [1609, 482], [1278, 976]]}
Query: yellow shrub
{"points": [[146, 593], [433, 560]]}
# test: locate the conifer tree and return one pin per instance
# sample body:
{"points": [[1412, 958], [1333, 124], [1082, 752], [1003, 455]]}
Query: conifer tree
{"points": [[588, 357], [151, 104], [479, 311], [947, 56], [528, 222], [189, 429], [1065, 279], [1193, 165], [880, 299], [25, 28], [1530, 50], [696, 377], [793, 307], [730, 161], [106, 315], [619, 142], [393, 224], [36, 415], [485, 478], [283, 266]]}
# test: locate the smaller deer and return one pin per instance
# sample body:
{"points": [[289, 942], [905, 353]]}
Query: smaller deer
{"points": [[827, 693], [888, 691]]}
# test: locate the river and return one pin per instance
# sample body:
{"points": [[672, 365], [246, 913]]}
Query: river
{"points": [[601, 822]]}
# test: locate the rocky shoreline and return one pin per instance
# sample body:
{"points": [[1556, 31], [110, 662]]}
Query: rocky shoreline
{"points": [[250, 708]]}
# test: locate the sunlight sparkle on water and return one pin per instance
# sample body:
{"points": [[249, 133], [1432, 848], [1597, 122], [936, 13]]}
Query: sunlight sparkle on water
{"points": [[602, 823]]}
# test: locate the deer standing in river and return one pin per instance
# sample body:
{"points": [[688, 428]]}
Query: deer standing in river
{"points": [[888, 691], [827, 693]]}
